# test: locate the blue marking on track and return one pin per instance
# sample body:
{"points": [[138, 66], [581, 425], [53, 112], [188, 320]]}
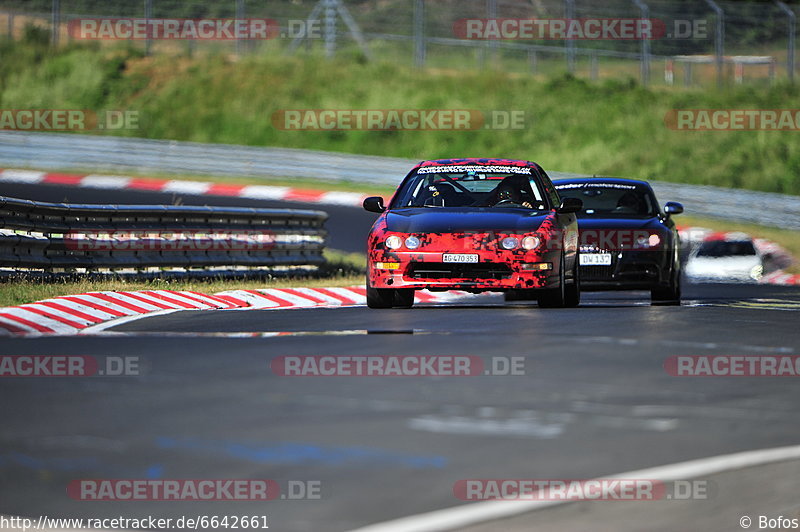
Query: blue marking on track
{"points": [[299, 453]]}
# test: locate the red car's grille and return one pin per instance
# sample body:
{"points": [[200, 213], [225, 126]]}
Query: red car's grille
{"points": [[442, 270]]}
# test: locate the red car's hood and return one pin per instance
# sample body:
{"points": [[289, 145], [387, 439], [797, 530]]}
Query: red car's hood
{"points": [[447, 220]]}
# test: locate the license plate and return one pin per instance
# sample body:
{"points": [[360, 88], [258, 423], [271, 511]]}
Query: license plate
{"points": [[595, 259], [459, 257]]}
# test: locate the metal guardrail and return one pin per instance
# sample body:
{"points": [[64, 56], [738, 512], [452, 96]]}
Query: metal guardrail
{"points": [[51, 151], [56, 151], [51, 236]]}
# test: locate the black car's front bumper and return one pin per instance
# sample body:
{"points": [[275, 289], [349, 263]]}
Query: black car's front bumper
{"points": [[629, 270]]}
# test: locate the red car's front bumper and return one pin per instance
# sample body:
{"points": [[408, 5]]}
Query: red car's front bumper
{"points": [[496, 268]]}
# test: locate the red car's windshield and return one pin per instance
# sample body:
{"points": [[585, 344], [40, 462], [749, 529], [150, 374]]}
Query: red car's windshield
{"points": [[471, 189]]}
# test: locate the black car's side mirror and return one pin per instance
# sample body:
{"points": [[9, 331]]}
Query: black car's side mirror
{"points": [[673, 207], [374, 204], [570, 206]]}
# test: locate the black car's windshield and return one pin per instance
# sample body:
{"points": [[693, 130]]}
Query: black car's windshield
{"points": [[473, 188], [723, 248], [611, 199]]}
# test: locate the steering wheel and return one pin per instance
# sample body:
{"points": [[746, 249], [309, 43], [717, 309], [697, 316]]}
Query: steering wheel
{"points": [[507, 202]]}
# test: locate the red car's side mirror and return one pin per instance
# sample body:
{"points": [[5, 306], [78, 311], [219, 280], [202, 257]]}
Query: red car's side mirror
{"points": [[374, 204]]}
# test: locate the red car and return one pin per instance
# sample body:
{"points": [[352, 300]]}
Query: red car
{"points": [[475, 225]]}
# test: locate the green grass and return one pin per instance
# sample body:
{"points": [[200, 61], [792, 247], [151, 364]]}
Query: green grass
{"points": [[612, 127]]}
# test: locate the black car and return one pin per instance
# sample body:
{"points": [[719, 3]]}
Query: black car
{"points": [[627, 241]]}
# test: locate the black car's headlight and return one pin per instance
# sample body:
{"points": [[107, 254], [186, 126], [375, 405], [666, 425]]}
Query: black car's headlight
{"points": [[648, 242]]}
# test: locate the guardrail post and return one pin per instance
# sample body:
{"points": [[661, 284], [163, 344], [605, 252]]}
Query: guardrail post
{"points": [[56, 20], [569, 44], [669, 71], [420, 51], [719, 40], [792, 36], [239, 16], [533, 59], [10, 15], [312, 18], [148, 14], [645, 60], [491, 8], [330, 27], [593, 68]]}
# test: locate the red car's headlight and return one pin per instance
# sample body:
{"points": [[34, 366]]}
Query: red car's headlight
{"points": [[394, 242], [509, 243], [531, 242], [412, 242]]}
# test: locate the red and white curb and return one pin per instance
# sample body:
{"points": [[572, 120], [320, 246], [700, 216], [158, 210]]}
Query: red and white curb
{"points": [[781, 278], [189, 188], [95, 311]]}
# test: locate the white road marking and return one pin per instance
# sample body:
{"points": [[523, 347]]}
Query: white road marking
{"points": [[471, 514]]}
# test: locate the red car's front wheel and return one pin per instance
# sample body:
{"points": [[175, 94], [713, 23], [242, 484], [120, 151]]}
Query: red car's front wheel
{"points": [[389, 297]]}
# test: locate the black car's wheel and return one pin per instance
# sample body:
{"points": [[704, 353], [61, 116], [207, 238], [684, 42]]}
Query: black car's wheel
{"points": [[555, 297], [573, 290], [670, 295], [403, 298]]}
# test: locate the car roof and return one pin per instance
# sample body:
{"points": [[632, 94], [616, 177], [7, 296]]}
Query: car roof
{"points": [[478, 161], [614, 180], [732, 237]]}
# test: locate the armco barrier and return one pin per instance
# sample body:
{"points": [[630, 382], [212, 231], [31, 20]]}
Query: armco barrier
{"points": [[49, 236]]}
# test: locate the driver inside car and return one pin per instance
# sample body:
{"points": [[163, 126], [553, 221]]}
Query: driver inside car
{"points": [[508, 193]]}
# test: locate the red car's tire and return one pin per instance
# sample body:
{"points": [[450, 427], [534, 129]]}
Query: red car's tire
{"points": [[403, 298], [521, 295], [573, 291], [389, 297], [380, 297], [555, 297]]}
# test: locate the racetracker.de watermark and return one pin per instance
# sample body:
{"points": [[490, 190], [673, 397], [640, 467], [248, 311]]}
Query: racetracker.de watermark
{"points": [[69, 366], [67, 120], [193, 490], [211, 240], [733, 366], [610, 29], [173, 29], [733, 119], [597, 489], [397, 119], [396, 366]]}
